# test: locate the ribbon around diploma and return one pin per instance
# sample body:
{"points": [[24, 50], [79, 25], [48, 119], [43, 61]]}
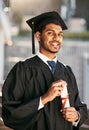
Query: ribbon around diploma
{"points": [[65, 98]]}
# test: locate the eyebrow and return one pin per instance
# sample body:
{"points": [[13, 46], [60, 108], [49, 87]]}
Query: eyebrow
{"points": [[53, 30]]}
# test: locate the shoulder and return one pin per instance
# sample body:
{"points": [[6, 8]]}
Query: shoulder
{"points": [[71, 77], [31, 61], [67, 69], [63, 66], [26, 63], [70, 71], [22, 66]]}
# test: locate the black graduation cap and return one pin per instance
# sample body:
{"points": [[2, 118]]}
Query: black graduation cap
{"points": [[38, 22]]}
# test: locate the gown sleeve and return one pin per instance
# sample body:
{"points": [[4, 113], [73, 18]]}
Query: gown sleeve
{"points": [[17, 113], [79, 106]]}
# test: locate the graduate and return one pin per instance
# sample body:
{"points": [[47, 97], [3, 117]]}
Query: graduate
{"points": [[41, 93]]}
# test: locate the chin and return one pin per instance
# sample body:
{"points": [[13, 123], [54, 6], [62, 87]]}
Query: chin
{"points": [[54, 51]]}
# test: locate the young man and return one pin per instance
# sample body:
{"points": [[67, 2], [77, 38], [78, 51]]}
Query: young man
{"points": [[39, 94]]}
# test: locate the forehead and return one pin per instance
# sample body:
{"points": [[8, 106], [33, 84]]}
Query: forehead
{"points": [[52, 26]]}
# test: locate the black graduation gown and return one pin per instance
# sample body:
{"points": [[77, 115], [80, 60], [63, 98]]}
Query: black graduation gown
{"points": [[24, 85]]}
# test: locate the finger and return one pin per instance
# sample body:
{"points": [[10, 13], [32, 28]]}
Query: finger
{"points": [[60, 83], [69, 109], [68, 117]]}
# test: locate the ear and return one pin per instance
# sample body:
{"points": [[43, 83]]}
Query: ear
{"points": [[38, 35]]}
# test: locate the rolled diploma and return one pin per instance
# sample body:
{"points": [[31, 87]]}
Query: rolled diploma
{"points": [[65, 97]]}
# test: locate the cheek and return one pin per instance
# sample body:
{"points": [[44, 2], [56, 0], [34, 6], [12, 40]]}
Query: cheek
{"points": [[48, 39], [61, 39], [45, 39]]}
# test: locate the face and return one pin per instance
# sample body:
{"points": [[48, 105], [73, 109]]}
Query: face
{"points": [[50, 40]]}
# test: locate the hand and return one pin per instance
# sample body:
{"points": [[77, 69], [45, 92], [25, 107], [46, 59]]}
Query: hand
{"points": [[54, 91], [70, 114]]}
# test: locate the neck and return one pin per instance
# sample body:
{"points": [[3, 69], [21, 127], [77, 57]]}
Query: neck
{"points": [[49, 55]]}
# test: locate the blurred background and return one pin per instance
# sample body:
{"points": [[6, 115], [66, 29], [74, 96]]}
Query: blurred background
{"points": [[15, 37]]}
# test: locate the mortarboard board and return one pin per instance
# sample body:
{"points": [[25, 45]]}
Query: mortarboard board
{"points": [[38, 22]]}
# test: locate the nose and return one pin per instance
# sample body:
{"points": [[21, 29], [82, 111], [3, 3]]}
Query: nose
{"points": [[56, 36]]}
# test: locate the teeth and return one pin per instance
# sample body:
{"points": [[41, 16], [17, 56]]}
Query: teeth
{"points": [[55, 44]]}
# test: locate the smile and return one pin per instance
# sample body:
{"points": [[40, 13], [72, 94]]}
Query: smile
{"points": [[54, 43]]}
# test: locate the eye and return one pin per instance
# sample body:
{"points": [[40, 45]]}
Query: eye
{"points": [[50, 32], [60, 34]]}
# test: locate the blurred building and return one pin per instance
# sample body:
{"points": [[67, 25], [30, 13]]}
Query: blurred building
{"points": [[5, 36], [76, 10], [30, 7], [22, 10], [70, 10], [82, 7], [86, 78]]}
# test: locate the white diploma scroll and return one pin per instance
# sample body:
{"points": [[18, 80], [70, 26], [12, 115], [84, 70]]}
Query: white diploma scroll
{"points": [[65, 98]]}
